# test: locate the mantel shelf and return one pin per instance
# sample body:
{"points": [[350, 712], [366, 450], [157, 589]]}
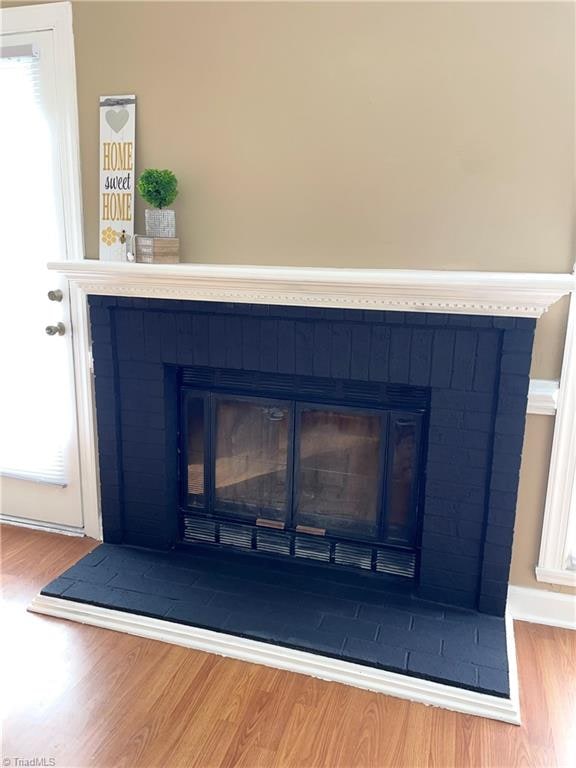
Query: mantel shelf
{"points": [[515, 294]]}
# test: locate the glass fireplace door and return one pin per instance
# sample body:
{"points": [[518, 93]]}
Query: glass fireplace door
{"points": [[338, 470], [402, 480], [305, 469], [316, 470], [252, 457]]}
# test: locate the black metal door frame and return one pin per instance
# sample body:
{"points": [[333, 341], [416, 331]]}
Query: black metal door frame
{"points": [[295, 407]]}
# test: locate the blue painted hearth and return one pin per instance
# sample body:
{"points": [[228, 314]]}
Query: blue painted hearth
{"points": [[474, 372]]}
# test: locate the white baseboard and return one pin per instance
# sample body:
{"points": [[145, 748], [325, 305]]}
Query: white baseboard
{"points": [[540, 606], [390, 683], [36, 525]]}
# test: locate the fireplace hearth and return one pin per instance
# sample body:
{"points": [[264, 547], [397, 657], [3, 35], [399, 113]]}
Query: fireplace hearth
{"points": [[308, 467]]}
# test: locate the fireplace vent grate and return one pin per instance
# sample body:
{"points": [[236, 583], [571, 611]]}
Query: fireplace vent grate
{"points": [[197, 529], [236, 535], [312, 548], [353, 554], [306, 387], [275, 543], [395, 562]]}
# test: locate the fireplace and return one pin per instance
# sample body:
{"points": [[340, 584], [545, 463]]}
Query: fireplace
{"points": [[381, 443], [339, 482], [308, 467]]}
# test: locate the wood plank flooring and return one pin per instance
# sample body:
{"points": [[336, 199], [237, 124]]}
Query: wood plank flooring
{"points": [[84, 696]]}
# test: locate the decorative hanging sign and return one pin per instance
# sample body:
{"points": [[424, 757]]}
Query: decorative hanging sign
{"points": [[117, 154]]}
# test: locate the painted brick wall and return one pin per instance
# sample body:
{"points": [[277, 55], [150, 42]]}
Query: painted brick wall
{"points": [[476, 368]]}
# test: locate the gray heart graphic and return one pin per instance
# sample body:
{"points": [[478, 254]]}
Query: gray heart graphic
{"points": [[117, 118]]}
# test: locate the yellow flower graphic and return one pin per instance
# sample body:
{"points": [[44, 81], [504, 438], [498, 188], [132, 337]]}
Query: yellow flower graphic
{"points": [[109, 236]]}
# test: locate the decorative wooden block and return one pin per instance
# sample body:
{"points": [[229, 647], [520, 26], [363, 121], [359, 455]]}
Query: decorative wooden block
{"points": [[157, 250]]}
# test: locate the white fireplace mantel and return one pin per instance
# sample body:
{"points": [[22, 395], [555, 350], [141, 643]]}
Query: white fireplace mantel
{"points": [[458, 292]]}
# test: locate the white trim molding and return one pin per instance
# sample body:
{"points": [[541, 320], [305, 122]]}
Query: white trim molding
{"points": [[562, 576], [302, 662], [456, 292], [560, 497], [57, 17], [86, 413], [543, 397], [36, 525], [541, 606]]}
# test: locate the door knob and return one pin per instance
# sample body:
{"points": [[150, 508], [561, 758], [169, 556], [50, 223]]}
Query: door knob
{"points": [[56, 330], [56, 295]]}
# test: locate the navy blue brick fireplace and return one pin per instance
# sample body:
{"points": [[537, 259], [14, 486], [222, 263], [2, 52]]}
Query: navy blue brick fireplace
{"points": [[471, 371]]}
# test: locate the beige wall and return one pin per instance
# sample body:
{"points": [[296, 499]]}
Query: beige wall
{"points": [[433, 135], [380, 134]]}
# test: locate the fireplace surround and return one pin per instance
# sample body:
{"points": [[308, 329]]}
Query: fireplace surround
{"points": [[462, 338], [473, 372]]}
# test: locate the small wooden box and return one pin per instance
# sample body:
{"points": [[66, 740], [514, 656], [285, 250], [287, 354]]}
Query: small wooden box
{"points": [[156, 250]]}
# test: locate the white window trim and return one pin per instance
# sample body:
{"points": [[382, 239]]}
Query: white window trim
{"points": [[551, 566]]}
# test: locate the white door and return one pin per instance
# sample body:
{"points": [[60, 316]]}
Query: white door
{"points": [[39, 466]]}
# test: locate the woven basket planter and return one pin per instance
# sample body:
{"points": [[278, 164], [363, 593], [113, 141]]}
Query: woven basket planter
{"points": [[160, 222]]}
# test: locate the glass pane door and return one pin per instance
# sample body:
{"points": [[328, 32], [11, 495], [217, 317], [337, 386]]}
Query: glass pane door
{"points": [[39, 465], [402, 483], [251, 449], [194, 425], [338, 470], [36, 420]]}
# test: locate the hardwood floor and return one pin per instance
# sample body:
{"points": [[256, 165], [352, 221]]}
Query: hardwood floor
{"points": [[89, 697]]}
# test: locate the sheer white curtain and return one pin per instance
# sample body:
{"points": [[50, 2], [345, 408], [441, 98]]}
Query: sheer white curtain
{"points": [[34, 412]]}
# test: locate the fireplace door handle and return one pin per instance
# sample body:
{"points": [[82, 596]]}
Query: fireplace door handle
{"points": [[56, 330]]}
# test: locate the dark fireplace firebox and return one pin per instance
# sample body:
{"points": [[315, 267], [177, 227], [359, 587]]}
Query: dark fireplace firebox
{"points": [[307, 467]]}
